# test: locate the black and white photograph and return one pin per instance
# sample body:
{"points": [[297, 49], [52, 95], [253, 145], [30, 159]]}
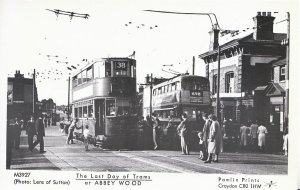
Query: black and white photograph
{"points": [[148, 94]]}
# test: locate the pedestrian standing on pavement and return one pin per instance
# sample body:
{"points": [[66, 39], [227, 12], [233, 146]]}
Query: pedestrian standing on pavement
{"points": [[205, 134], [253, 133], [171, 132], [214, 140], [262, 131], [30, 132], [40, 130], [86, 133], [244, 130], [71, 131], [285, 141], [17, 132], [156, 124], [9, 141], [183, 133]]}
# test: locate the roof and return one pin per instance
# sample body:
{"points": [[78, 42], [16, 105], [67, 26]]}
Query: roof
{"points": [[278, 37], [274, 89], [280, 61]]}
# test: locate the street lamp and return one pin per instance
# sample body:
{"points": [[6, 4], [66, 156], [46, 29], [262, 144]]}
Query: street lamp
{"points": [[215, 29]]}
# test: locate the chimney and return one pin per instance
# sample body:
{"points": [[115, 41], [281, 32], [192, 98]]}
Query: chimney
{"points": [[263, 26], [214, 39]]}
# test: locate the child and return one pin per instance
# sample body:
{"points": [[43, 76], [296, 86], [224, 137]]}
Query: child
{"points": [[86, 132], [201, 156]]}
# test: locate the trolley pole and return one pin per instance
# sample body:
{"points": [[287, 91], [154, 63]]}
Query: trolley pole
{"points": [[68, 109], [151, 88]]}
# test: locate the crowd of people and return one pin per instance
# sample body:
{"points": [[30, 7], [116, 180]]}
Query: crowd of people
{"points": [[250, 136]]}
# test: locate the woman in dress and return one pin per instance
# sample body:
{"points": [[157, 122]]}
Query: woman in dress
{"points": [[214, 140], [262, 131], [244, 130], [183, 133]]}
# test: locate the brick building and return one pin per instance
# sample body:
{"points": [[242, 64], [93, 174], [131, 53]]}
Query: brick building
{"points": [[252, 70], [20, 96]]}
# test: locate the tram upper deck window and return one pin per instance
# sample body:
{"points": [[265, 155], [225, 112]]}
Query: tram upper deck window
{"points": [[107, 69], [84, 111], [74, 81], [110, 107], [83, 76], [79, 79], [89, 73], [99, 69]]}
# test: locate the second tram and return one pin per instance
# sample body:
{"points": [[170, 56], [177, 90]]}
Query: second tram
{"points": [[188, 94]]}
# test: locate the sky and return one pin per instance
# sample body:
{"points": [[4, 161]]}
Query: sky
{"points": [[115, 28]]}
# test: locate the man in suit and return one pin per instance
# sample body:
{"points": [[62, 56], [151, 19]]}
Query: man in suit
{"points": [[31, 131], [40, 130]]}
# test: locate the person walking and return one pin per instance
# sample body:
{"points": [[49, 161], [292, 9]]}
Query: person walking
{"points": [[86, 133], [30, 132], [40, 130], [17, 132], [205, 135], [244, 136], [214, 140], [183, 133], [253, 134], [156, 124], [285, 141], [262, 131], [71, 131]]}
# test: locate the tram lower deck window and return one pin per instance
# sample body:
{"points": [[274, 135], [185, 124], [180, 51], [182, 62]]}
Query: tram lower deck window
{"points": [[90, 111], [110, 108]]}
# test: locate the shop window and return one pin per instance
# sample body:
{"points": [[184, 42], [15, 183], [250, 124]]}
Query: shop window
{"points": [[282, 73], [110, 108], [272, 74], [90, 111], [229, 82], [215, 84]]}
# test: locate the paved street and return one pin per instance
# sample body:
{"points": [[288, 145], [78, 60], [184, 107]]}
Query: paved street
{"points": [[60, 156]]}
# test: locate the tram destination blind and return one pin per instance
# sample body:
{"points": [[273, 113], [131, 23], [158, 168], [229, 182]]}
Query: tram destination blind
{"points": [[120, 65]]}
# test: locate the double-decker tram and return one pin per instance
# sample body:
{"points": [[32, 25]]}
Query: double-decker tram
{"points": [[188, 94], [103, 97]]}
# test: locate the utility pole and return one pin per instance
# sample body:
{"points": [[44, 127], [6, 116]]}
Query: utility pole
{"points": [[68, 109], [218, 85], [151, 88], [33, 93], [193, 65], [287, 69]]}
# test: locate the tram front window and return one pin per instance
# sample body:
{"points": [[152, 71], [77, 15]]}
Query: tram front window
{"points": [[110, 108], [123, 111]]}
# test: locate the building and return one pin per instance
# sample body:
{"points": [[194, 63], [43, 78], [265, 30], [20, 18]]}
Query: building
{"points": [[49, 108], [21, 93], [252, 72]]}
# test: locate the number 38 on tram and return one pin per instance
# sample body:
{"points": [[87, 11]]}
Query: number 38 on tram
{"points": [[103, 97]]}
